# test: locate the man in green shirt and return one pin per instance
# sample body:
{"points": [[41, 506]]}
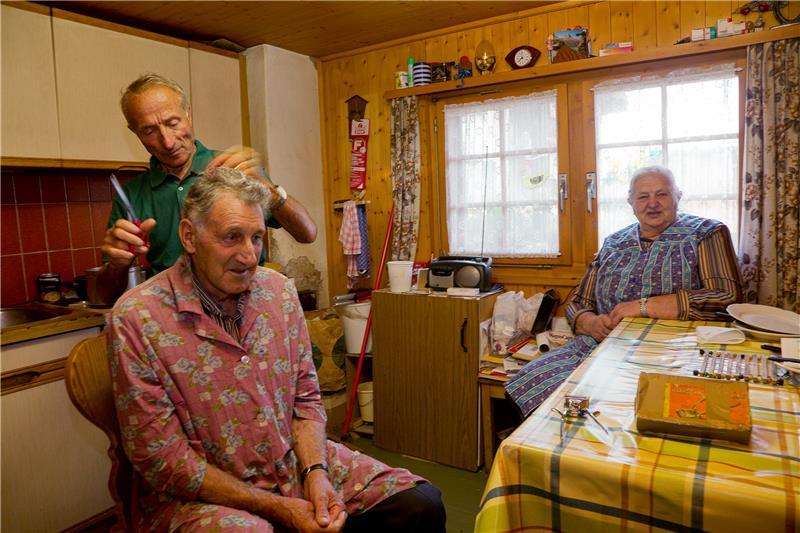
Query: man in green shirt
{"points": [[157, 111]]}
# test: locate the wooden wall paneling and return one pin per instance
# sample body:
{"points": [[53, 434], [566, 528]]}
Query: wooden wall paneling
{"points": [[537, 35], [793, 9], [668, 22], [693, 16], [599, 25], [504, 37], [578, 16], [467, 41], [577, 170], [718, 9], [557, 21], [621, 21], [645, 29], [449, 44]]}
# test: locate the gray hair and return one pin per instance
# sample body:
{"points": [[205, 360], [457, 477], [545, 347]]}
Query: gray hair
{"points": [[201, 197], [149, 81], [649, 171]]}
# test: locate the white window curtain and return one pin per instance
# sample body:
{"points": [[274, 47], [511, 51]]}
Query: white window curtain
{"points": [[687, 121], [502, 164]]}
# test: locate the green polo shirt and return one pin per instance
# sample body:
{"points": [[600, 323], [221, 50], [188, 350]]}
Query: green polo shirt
{"points": [[159, 195]]}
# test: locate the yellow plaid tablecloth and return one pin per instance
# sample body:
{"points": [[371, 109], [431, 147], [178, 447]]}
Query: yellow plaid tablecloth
{"points": [[629, 481]]}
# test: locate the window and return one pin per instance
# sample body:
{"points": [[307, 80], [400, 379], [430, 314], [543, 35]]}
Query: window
{"points": [[687, 121], [501, 173]]}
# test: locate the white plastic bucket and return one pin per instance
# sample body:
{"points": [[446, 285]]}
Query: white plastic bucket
{"points": [[354, 321], [365, 401], [400, 275]]}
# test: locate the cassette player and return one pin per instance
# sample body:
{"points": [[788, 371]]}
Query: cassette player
{"points": [[460, 271]]}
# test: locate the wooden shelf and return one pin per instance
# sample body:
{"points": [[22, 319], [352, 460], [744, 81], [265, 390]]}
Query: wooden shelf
{"points": [[580, 65]]}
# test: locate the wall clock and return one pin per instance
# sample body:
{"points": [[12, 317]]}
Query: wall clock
{"points": [[523, 56]]}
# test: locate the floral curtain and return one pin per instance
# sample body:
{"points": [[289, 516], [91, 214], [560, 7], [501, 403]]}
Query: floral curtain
{"points": [[770, 229], [405, 177]]}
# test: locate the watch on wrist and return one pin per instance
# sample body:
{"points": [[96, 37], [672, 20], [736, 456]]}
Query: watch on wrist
{"points": [[643, 308], [307, 470], [282, 197]]}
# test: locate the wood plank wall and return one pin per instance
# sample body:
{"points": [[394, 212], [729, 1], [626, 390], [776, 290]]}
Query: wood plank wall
{"points": [[369, 73]]}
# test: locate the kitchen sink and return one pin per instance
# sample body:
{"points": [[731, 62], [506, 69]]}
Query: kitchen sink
{"points": [[29, 313]]}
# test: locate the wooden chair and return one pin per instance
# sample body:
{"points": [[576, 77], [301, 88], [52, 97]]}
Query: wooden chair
{"points": [[88, 381]]}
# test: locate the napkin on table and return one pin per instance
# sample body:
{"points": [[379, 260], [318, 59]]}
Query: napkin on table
{"points": [[719, 335]]}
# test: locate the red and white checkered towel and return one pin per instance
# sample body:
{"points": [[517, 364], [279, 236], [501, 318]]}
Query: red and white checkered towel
{"points": [[351, 241]]}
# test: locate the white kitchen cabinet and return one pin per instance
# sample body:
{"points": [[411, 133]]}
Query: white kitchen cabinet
{"points": [[29, 116], [216, 99], [93, 67], [55, 462]]}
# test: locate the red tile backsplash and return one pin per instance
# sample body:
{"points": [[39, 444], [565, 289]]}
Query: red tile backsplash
{"points": [[34, 265], [9, 234], [77, 188], [31, 223], [52, 220], [57, 224], [26, 189], [80, 225], [53, 191], [12, 288]]}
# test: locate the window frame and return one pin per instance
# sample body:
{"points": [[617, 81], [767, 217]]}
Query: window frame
{"points": [[661, 68], [440, 238]]}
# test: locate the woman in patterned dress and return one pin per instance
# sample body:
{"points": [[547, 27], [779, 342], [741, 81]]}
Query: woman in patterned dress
{"points": [[668, 265]]}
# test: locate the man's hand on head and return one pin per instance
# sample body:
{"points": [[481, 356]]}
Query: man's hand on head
{"points": [[244, 159], [124, 240]]}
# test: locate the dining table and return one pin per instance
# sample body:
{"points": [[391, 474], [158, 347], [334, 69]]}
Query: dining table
{"points": [[599, 473]]}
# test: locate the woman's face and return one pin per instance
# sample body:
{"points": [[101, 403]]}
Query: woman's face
{"points": [[654, 204]]}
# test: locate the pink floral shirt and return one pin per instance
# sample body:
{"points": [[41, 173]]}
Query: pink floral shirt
{"points": [[188, 394]]}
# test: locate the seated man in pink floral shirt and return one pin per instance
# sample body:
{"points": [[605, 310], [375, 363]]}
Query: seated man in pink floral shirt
{"points": [[218, 400]]}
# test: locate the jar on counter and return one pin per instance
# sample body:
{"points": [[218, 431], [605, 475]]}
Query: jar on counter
{"points": [[49, 287]]}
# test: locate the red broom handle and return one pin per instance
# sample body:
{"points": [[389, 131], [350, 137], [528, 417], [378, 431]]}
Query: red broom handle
{"points": [[379, 277]]}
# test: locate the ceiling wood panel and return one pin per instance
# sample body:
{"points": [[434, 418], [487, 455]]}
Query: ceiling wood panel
{"points": [[316, 29]]}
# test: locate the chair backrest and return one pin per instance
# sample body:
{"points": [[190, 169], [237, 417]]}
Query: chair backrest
{"points": [[88, 381]]}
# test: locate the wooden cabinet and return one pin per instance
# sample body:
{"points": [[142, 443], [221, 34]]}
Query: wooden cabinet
{"points": [[216, 99], [93, 67], [425, 370], [55, 464], [29, 120]]}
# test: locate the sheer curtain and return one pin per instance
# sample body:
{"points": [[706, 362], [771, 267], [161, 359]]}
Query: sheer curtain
{"points": [[770, 242], [687, 121], [502, 163]]}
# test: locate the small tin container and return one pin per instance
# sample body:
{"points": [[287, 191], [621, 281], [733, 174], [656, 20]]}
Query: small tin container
{"points": [[49, 287]]}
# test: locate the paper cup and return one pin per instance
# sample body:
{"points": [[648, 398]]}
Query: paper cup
{"points": [[400, 275]]}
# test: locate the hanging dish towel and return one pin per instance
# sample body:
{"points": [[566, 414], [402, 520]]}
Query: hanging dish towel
{"points": [[362, 261], [350, 238]]}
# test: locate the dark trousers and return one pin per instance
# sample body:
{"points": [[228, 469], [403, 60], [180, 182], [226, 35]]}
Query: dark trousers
{"points": [[416, 510]]}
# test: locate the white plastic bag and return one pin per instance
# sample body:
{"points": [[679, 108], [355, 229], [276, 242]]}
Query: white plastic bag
{"points": [[504, 320]]}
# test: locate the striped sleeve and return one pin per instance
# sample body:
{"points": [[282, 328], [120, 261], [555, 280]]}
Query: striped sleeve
{"points": [[719, 275], [584, 301]]}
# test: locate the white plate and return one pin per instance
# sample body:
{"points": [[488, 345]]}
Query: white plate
{"points": [[762, 335], [766, 318]]}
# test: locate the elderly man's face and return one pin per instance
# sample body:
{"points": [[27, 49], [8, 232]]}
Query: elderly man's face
{"points": [[654, 204], [226, 248], [163, 127]]}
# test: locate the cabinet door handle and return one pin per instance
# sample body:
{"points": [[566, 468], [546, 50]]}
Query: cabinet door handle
{"points": [[464, 335], [19, 379]]}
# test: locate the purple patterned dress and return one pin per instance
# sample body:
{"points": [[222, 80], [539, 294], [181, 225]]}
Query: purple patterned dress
{"points": [[628, 269]]}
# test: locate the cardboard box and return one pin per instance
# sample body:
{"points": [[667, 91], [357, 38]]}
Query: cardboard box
{"points": [[336, 409], [668, 404]]}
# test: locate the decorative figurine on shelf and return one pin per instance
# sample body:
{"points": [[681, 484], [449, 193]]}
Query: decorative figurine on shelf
{"points": [[464, 68], [743, 10], [485, 57]]}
